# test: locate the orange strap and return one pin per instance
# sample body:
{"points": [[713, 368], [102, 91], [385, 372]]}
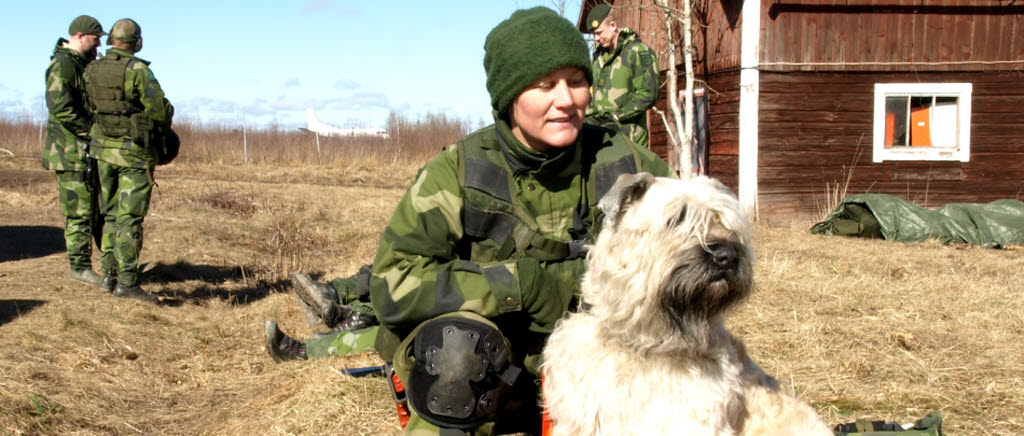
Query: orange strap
{"points": [[545, 418], [403, 405]]}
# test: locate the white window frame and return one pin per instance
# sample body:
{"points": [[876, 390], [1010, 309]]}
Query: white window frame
{"points": [[962, 152]]}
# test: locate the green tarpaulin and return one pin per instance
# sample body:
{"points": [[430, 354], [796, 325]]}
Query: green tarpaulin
{"points": [[996, 224]]}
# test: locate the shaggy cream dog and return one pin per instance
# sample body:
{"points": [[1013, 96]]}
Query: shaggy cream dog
{"points": [[649, 354]]}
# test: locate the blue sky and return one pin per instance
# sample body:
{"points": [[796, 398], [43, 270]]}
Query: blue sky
{"points": [[353, 61]]}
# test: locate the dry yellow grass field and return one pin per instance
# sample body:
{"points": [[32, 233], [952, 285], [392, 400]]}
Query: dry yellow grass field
{"points": [[858, 328]]}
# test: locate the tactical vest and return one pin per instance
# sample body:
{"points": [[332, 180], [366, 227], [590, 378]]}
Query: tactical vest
{"points": [[106, 95], [496, 228]]}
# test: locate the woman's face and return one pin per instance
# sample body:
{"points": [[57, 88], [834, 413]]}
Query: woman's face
{"points": [[549, 113]]}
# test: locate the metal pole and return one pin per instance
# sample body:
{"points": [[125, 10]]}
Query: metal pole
{"points": [[245, 143]]}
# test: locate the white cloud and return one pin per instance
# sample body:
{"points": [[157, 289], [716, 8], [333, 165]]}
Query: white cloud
{"points": [[313, 6], [346, 84]]}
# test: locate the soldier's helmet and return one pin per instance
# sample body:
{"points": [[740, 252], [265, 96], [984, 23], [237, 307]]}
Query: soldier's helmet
{"points": [[127, 31]]}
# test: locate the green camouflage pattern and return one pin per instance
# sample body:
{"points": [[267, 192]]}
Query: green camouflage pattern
{"points": [[124, 199], [355, 341], [126, 30], [419, 273], [69, 121], [417, 426], [143, 91], [625, 86], [76, 205], [929, 425], [345, 287]]}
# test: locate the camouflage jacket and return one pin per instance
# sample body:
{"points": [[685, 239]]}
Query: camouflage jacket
{"points": [[625, 82], [143, 92], [423, 267], [67, 128]]}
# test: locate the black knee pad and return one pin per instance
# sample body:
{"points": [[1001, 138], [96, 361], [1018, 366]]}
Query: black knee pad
{"points": [[461, 374]]}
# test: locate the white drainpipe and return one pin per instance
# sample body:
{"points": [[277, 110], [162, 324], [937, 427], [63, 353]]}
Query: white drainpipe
{"points": [[751, 34]]}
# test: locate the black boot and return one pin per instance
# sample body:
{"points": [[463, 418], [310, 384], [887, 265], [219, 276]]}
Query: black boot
{"points": [[108, 283], [136, 292], [354, 321], [86, 275], [318, 298], [280, 346]]}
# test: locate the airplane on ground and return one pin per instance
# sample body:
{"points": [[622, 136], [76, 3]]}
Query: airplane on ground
{"points": [[314, 125]]}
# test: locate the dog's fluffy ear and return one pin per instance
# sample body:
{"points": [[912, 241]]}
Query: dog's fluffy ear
{"points": [[626, 190]]}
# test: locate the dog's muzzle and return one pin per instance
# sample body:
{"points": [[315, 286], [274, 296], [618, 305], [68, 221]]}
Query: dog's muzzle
{"points": [[723, 256]]}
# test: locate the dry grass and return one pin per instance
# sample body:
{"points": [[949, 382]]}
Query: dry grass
{"points": [[835, 192], [859, 328], [410, 141]]}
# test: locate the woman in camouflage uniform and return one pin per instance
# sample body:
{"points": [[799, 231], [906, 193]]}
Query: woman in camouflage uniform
{"points": [[484, 252]]}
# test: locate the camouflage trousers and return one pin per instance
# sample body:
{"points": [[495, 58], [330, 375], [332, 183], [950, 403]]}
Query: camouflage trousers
{"points": [[340, 344], [76, 203], [356, 341], [350, 296], [124, 200]]}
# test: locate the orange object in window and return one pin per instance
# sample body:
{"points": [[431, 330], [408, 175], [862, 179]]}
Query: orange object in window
{"points": [[890, 126], [920, 127]]}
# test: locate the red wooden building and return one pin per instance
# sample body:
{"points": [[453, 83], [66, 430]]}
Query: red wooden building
{"points": [[922, 99]]}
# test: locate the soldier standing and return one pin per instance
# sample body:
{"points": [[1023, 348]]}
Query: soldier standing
{"points": [[65, 149], [483, 254], [625, 75], [128, 105]]}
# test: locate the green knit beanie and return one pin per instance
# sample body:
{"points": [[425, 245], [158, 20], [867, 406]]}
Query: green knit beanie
{"points": [[527, 46]]}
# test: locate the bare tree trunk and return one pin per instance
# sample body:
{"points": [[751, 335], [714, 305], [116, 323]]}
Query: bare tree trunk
{"points": [[681, 129], [559, 6], [687, 156]]}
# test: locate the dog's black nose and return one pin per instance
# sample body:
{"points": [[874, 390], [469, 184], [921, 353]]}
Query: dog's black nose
{"points": [[724, 255]]}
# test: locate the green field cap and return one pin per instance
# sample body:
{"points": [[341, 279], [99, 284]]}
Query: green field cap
{"points": [[87, 25], [597, 16]]}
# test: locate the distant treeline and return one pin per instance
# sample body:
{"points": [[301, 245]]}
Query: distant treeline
{"points": [[409, 140]]}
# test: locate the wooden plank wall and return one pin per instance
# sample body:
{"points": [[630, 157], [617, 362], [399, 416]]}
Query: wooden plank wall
{"points": [[716, 26], [723, 118], [892, 35], [815, 131], [816, 126], [848, 35]]}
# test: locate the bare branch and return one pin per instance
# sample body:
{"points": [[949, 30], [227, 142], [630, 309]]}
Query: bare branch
{"points": [[559, 6], [664, 120]]}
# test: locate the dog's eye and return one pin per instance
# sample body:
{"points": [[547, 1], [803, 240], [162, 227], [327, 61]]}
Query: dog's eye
{"points": [[677, 219]]}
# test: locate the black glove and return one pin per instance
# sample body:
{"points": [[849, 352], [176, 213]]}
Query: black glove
{"points": [[548, 289]]}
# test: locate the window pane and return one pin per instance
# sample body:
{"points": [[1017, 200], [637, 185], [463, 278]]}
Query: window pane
{"points": [[895, 121], [920, 121], [944, 122]]}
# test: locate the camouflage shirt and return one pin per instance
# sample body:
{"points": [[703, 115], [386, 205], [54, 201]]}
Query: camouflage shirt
{"points": [[67, 128], [143, 91], [625, 85], [421, 270]]}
